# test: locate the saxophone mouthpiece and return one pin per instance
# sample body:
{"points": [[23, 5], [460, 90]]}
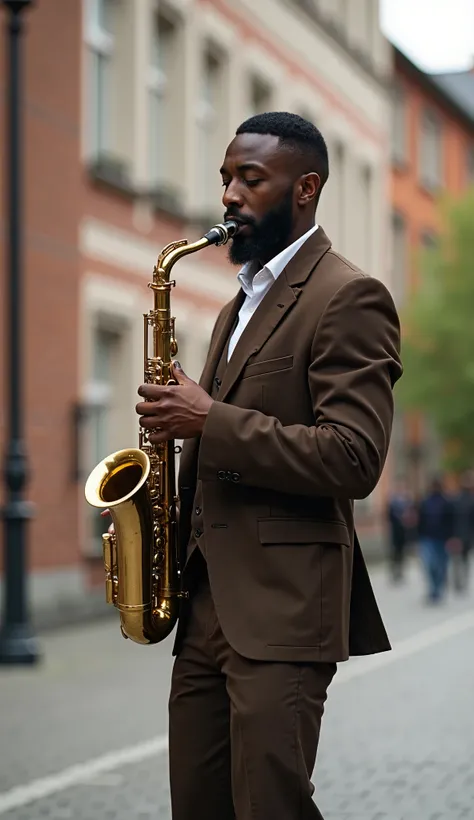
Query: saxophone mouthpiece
{"points": [[221, 233]]}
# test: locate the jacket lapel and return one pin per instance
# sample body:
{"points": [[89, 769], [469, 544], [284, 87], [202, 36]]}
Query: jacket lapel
{"points": [[281, 297]]}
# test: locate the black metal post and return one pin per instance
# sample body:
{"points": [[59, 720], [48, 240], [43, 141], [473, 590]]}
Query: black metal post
{"points": [[17, 643]]}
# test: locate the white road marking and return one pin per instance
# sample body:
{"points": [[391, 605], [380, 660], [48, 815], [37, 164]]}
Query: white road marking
{"points": [[409, 646], [85, 772]]}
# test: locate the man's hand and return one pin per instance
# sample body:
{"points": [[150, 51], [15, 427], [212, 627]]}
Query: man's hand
{"points": [[173, 411]]}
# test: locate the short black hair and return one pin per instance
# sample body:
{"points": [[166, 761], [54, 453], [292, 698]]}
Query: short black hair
{"points": [[297, 134]]}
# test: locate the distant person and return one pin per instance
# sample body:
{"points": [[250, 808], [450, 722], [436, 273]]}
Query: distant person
{"points": [[460, 545], [435, 529], [401, 520]]}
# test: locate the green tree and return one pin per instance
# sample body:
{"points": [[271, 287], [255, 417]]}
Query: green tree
{"points": [[438, 336]]}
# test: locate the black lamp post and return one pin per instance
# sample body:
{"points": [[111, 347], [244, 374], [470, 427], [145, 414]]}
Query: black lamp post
{"points": [[17, 644]]}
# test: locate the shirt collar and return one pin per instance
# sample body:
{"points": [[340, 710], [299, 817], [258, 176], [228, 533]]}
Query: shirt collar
{"points": [[275, 266]]}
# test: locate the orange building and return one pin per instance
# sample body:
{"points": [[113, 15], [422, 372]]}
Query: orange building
{"points": [[432, 153]]}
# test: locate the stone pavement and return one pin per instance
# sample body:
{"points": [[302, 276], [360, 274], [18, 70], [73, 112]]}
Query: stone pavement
{"points": [[397, 740]]}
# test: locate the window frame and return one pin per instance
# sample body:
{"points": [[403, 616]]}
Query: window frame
{"points": [[399, 141], [431, 179], [100, 43]]}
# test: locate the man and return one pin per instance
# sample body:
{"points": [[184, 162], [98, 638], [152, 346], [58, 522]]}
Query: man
{"points": [[291, 421], [461, 544], [401, 519], [435, 531]]}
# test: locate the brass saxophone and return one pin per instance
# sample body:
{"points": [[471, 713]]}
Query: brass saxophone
{"points": [[138, 486]]}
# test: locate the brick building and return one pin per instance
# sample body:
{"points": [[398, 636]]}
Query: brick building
{"points": [[128, 107], [432, 153]]}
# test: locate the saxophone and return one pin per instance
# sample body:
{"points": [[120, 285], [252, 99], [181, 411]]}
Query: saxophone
{"points": [[138, 486]]}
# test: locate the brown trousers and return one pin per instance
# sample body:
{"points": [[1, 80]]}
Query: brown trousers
{"points": [[243, 733]]}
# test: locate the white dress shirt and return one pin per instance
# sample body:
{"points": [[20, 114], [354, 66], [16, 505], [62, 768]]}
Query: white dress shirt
{"points": [[256, 284]]}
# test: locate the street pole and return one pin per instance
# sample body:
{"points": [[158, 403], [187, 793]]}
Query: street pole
{"points": [[17, 643]]}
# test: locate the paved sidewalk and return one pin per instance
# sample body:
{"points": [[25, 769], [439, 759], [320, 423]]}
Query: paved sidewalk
{"points": [[397, 740]]}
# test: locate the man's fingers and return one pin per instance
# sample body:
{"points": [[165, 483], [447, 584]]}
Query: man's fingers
{"points": [[150, 422], [152, 392], [146, 408]]}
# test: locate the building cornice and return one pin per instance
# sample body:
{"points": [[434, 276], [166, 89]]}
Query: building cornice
{"points": [[331, 30]]}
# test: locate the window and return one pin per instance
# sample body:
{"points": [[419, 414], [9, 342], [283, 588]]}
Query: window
{"points": [[100, 45], [470, 165], [339, 177], [399, 258], [369, 10], [161, 51], [208, 120], [339, 10], [367, 223], [399, 126], [260, 96], [429, 240], [430, 162], [106, 347]]}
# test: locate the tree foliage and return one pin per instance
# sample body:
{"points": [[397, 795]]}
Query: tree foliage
{"points": [[438, 336]]}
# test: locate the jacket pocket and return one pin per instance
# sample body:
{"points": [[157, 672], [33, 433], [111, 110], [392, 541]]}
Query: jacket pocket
{"points": [[268, 366], [275, 531]]}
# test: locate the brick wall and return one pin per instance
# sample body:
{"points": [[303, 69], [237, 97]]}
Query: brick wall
{"points": [[52, 200]]}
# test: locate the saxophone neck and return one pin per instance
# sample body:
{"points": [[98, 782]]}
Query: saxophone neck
{"points": [[173, 252], [218, 235]]}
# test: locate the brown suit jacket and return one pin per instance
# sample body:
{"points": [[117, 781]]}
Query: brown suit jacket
{"points": [[301, 427]]}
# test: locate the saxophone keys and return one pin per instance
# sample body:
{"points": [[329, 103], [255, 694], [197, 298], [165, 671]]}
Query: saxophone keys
{"points": [[109, 591]]}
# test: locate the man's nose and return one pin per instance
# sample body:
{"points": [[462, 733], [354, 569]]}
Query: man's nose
{"points": [[232, 196]]}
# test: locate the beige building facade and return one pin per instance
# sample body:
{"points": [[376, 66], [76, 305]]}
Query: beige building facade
{"points": [[165, 84], [146, 95]]}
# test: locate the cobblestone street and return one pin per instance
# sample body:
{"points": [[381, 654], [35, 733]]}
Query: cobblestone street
{"points": [[397, 738]]}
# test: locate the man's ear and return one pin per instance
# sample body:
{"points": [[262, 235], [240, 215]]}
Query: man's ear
{"points": [[308, 188]]}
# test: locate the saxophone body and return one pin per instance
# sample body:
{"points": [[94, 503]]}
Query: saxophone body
{"points": [[138, 485]]}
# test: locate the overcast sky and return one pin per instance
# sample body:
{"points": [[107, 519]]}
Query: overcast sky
{"points": [[438, 35]]}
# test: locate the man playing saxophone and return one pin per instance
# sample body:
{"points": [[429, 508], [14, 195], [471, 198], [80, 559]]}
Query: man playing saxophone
{"points": [[290, 423]]}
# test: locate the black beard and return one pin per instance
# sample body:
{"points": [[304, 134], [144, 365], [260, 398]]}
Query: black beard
{"points": [[269, 236]]}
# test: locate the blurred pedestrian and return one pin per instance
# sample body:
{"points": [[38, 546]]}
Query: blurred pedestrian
{"points": [[461, 544], [435, 529], [401, 520]]}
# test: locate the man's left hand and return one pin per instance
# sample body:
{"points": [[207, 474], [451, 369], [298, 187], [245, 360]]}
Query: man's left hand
{"points": [[173, 411]]}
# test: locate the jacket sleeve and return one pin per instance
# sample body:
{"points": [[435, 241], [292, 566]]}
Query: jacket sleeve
{"points": [[354, 365]]}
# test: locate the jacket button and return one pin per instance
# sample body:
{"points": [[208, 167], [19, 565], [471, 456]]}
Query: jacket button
{"points": [[221, 475], [235, 476], [197, 533], [217, 382], [198, 511]]}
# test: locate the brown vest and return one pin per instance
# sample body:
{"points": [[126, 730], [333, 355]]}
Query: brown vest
{"points": [[197, 535]]}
